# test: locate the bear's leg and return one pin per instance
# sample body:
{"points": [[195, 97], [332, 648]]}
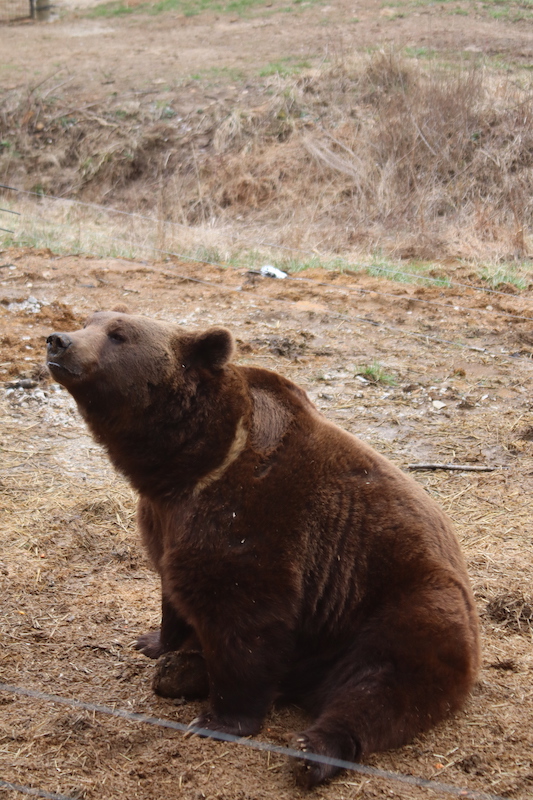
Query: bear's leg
{"points": [[404, 673], [244, 674], [354, 711], [170, 636]]}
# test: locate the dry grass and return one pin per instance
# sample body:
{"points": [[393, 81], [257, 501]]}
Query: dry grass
{"points": [[437, 152], [375, 152], [512, 609], [76, 589]]}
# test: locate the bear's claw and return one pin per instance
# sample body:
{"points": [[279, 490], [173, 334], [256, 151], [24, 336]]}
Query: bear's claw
{"points": [[236, 726], [150, 644], [310, 773]]}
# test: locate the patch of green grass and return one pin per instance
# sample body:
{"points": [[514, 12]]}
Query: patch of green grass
{"points": [[294, 265], [498, 13], [519, 275], [114, 9], [56, 241], [215, 74], [511, 10], [210, 255], [420, 52], [189, 8], [284, 67], [376, 373], [409, 272], [70, 236]]}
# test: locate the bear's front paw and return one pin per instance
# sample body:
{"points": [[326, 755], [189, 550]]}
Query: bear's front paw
{"points": [[181, 674], [238, 726], [150, 644]]}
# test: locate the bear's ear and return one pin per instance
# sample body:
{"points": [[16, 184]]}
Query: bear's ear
{"points": [[210, 350], [121, 309]]}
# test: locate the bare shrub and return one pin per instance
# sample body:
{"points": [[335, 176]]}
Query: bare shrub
{"points": [[437, 149], [375, 152]]}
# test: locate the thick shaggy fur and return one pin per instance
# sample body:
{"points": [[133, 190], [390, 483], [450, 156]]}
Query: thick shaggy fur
{"points": [[295, 561]]}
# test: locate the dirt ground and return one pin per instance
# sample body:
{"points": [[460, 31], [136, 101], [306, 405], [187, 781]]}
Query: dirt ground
{"points": [[455, 386], [102, 56]]}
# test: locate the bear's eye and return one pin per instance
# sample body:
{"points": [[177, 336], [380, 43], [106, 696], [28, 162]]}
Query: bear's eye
{"points": [[116, 336]]}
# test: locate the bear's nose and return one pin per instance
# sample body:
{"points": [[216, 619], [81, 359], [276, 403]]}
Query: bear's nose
{"points": [[58, 342]]}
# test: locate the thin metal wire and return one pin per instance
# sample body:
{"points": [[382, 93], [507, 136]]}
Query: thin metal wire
{"points": [[334, 287], [133, 716], [411, 299], [334, 315], [314, 253], [15, 787]]}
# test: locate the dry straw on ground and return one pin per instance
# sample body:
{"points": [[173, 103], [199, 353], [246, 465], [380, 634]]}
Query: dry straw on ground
{"points": [[76, 589]]}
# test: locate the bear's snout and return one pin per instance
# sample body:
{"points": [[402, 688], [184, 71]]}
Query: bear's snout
{"points": [[58, 343], [59, 357]]}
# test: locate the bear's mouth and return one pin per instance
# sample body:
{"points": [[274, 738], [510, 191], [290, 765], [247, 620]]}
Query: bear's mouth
{"points": [[54, 366]]}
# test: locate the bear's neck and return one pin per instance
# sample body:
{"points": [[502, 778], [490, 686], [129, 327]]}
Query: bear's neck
{"points": [[169, 451]]}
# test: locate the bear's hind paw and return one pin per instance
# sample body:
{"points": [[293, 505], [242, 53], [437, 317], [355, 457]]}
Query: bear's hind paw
{"points": [[308, 772]]}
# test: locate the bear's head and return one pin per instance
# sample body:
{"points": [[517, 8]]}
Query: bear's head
{"points": [[121, 361]]}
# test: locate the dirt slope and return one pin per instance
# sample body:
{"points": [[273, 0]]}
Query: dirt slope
{"points": [[264, 121]]}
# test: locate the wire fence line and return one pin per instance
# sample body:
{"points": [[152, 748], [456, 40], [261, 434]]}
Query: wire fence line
{"points": [[253, 242], [133, 716], [334, 315], [335, 287], [16, 787], [12, 10]]}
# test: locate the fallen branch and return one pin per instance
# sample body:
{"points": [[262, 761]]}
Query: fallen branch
{"points": [[462, 467]]}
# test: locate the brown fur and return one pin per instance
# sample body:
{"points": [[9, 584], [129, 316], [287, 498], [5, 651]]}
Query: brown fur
{"points": [[295, 561]]}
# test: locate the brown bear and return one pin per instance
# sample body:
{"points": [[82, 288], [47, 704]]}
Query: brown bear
{"points": [[295, 561]]}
